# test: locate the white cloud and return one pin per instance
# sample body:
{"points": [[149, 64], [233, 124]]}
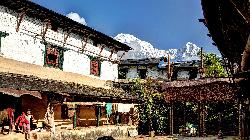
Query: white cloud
{"points": [[76, 17]]}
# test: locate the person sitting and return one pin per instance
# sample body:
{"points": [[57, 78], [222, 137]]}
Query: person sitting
{"points": [[22, 122]]}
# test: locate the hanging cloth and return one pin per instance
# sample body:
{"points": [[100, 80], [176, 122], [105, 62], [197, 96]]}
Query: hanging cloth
{"points": [[108, 109]]}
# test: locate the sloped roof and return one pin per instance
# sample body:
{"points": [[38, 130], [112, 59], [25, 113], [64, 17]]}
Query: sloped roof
{"points": [[42, 13], [228, 22], [33, 83], [208, 89]]}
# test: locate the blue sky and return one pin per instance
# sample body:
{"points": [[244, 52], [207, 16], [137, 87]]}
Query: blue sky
{"points": [[163, 23]]}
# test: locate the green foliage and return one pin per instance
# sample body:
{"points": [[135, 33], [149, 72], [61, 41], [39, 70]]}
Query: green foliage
{"points": [[152, 108], [213, 65]]}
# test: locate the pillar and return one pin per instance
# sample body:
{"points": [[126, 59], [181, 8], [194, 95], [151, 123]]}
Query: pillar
{"points": [[49, 117], [98, 114], [171, 119], [74, 117], [199, 120]]}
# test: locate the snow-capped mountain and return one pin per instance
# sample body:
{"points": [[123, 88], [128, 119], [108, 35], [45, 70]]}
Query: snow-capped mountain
{"points": [[143, 49]]}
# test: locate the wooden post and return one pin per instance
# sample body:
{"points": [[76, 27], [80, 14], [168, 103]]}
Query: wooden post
{"points": [[202, 64], [199, 119], [240, 121], [19, 19], [44, 30], [171, 111], [49, 117], [169, 68], [184, 115], [98, 107], [74, 118], [171, 120], [203, 121]]}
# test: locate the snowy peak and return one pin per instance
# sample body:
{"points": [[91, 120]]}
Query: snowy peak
{"points": [[188, 53], [143, 49]]}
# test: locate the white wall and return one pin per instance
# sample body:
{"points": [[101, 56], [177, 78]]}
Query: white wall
{"points": [[25, 46], [153, 73], [183, 75], [132, 73], [76, 63], [156, 73], [109, 71]]}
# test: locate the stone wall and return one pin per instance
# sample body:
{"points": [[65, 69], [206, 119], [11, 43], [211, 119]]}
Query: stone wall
{"points": [[26, 46], [91, 133]]}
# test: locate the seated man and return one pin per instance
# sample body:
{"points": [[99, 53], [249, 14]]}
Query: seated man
{"points": [[22, 122]]}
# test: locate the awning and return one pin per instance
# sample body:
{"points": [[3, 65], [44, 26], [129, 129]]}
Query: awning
{"points": [[19, 93]]}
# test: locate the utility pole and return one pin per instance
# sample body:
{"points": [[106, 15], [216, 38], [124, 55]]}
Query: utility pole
{"points": [[202, 64], [169, 68], [201, 105], [171, 109]]}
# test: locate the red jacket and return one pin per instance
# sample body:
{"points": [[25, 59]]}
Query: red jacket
{"points": [[10, 112], [22, 120]]}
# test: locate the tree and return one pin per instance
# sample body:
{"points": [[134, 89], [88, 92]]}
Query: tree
{"points": [[152, 106], [213, 66]]}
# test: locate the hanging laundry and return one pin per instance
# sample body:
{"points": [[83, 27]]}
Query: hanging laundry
{"points": [[108, 109], [124, 107]]}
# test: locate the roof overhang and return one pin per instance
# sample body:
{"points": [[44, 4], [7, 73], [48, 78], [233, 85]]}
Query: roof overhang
{"points": [[36, 11], [228, 24]]}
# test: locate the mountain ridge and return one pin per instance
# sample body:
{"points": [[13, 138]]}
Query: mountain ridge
{"points": [[143, 49]]}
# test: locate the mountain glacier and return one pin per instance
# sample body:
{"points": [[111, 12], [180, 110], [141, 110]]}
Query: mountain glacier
{"points": [[143, 49]]}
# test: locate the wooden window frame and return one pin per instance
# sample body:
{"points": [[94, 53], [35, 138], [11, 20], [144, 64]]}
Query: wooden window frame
{"points": [[93, 70], [58, 52]]}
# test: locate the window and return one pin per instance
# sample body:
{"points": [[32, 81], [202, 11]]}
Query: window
{"points": [[142, 73], [95, 66], [53, 56], [2, 34], [122, 73], [193, 74]]}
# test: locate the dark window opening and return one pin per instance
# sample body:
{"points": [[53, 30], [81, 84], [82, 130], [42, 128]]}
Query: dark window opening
{"points": [[53, 56], [142, 73], [193, 74], [64, 111], [122, 73]]}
